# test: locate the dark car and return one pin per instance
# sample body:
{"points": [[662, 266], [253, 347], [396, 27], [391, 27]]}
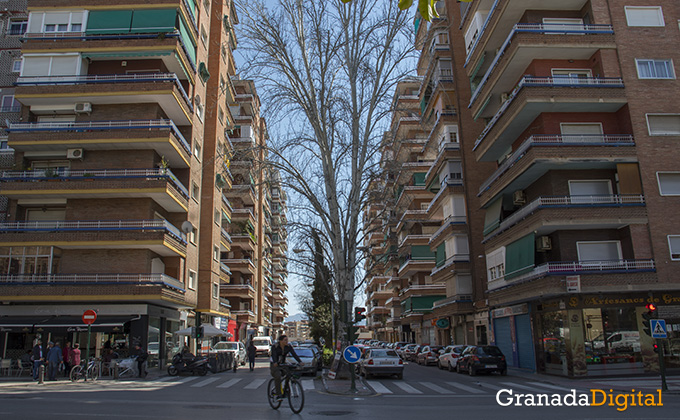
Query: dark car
{"points": [[476, 359], [311, 358], [429, 355]]}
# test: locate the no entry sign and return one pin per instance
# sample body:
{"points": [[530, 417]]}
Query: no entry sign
{"points": [[89, 317]]}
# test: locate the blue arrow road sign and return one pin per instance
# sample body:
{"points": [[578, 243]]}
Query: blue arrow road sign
{"points": [[658, 327], [351, 354]]}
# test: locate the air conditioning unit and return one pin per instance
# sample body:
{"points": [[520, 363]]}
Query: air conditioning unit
{"points": [[74, 153], [83, 107], [543, 243], [519, 198]]}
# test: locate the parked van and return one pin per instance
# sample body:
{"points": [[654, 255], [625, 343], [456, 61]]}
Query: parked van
{"points": [[262, 344], [619, 341]]}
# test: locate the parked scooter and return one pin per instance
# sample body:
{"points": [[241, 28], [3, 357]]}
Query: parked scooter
{"points": [[182, 363]]}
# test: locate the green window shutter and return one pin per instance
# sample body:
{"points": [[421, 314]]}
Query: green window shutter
{"points": [[434, 186], [102, 22], [203, 72], [153, 21], [440, 254], [421, 252], [187, 40], [419, 179], [519, 256], [192, 6], [492, 217]]}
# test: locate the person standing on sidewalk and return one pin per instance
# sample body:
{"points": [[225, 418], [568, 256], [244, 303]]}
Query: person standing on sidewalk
{"points": [[252, 353], [38, 358], [66, 357], [74, 356], [142, 355], [54, 359]]}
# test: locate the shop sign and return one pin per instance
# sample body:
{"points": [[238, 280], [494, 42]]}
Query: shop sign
{"points": [[573, 284], [443, 323], [511, 310], [415, 325]]}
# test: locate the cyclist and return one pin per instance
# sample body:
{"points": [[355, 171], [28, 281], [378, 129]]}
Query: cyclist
{"points": [[279, 352]]}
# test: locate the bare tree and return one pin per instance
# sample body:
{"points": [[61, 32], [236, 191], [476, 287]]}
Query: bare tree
{"points": [[326, 72]]}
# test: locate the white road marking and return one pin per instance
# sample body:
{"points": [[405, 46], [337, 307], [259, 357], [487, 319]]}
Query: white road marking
{"points": [[436, 388], [165, 378], [494, 387], [255, 384], [559, 388], [204, 383], [185, 380], [520, 386], [408, 388], [308, 384], [466, 388], [229, 383], [378, 387]]}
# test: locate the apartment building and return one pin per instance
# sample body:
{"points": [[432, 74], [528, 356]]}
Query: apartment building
{"points": [[123, 196], [565, 123]]}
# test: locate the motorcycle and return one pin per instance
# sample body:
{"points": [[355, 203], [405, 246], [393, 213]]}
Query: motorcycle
{"points": [[196, 364]]}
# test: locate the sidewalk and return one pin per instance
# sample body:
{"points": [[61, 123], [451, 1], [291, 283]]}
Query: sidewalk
{"points": [[26, 380]]}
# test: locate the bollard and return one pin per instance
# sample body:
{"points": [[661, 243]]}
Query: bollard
{"points": [[116, 371], [41, 374]]}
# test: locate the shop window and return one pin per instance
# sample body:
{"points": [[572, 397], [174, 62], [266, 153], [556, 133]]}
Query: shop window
{"points": [[650, 16], [553, 357], [655, 69], [611, 339], [674, 247], [663, 124], [669, 183]]}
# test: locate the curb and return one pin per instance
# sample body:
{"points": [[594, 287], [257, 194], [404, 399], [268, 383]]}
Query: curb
{"points": [[366, 392]]}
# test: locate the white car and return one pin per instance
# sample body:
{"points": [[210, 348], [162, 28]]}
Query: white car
{"points": [[235, 347], [381, 362], [263, 344], [449, 358]]}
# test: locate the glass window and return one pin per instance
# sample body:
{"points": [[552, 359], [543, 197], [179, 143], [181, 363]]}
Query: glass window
{"points": [[644, 16], [195, 192], [655, 69], [669, 183], [553, 344], [612, 340], [599, 251], [192, 279], [18, 27], [674, 247], [16, 65]]}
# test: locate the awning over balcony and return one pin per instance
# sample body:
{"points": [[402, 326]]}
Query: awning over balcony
{"points": [[492, 217], [519, 256]]}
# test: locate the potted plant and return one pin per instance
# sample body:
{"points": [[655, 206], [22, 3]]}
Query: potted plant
{"points": [[163, 165]]}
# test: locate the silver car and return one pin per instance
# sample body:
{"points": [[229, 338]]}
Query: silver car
{"points": [[381, 362], [235, 347]]}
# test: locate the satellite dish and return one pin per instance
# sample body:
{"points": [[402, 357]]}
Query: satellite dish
{"points": [[187, 227]]}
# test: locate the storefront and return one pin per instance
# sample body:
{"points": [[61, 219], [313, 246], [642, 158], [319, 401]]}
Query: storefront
{"points": [[513, 335], [596, 335]]}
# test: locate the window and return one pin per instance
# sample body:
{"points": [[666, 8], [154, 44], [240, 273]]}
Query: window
{"points": [[192, 236], [192, 279], [17, 27], [655, 69], [590, 191], [669, 183], [16, 65], [9, 104], [599, 251], [218, 217], [674, 247], [197, 150], [56, 65], [220, 115], [571, 76], [56, 22], [644, 16], [195, 192], [199, 108], [495, 264], [215, 290], [216, 253], [663, 124], [204, 36]]}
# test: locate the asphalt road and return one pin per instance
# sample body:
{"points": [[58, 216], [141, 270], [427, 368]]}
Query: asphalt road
{"points": [[425, 392]]}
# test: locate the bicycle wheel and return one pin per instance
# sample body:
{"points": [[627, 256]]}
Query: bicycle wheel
{"points": [[93, 372], [76, 373], [271, 395], [296, 396]]}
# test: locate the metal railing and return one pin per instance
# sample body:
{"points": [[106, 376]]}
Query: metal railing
{"points": [[226, 235], [232, 261], [452, 299], [225, 268], [70, 174], [92, 278], [10, 109], [106, 78], [556, 140], [451, 220], [533, 81], [191, 14], [93, 226], [421, 287], [227, 203], [448, 182], [83, 126], [578, 267], [612, 200]]}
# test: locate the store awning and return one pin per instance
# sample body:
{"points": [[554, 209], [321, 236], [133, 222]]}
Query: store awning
{"points": [[105, 323]]}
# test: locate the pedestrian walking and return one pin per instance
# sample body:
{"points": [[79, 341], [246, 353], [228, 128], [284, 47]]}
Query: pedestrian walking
{"points": [[74, 356], [252, 353], [54, 359], [142, 355], [38, 358], [66, 357]]}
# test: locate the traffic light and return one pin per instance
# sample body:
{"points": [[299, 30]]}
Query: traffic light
{"points": [[650, 314], [656, 348], [199, 332], [359, 314]]}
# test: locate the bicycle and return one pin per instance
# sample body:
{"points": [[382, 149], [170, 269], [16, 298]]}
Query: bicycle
{"points": [[92, 371], [292, 389]]}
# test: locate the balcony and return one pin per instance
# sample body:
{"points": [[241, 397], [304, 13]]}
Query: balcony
{"points": [[91, 278], [241, 265], [159, 184], [246, 193], [244, 315], [243, 291], [164, 89], [156, 235], [529, 41], [161, 135], [450, 185], [550, 213], [412, 265], [540, 153], [411, 240], [377, 310], [536, 95], [226, 238], [411, 216], [376, 280], [451, 225], [583, 268]]}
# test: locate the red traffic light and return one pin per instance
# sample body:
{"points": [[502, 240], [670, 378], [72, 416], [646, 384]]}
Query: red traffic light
{"points": [[651, 307]]}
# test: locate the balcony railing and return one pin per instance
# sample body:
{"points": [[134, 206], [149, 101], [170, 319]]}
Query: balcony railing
{"points": [[556, 140], [225, 268], [10, 109], [93, 226], [568, 201], [69, 174], [227, 203], [58, 279], [226, 235], [101, 126], [533, 81], [451, 300], [239, 287], [451, 220], [541, 29], [422, 287], [108, 78]]}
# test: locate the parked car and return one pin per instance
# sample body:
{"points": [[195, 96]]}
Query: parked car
{"points": [[449, 357], [262, 344], [311, 358], [235, 347], [477, 359], [381, 362], [429, 355], [409, 351]]}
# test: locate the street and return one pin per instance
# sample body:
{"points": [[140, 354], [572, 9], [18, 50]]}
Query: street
{"points": [[424, 392]]}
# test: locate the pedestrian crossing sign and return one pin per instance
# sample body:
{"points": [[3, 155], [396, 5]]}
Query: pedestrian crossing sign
{"points": [[658, 328]]}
